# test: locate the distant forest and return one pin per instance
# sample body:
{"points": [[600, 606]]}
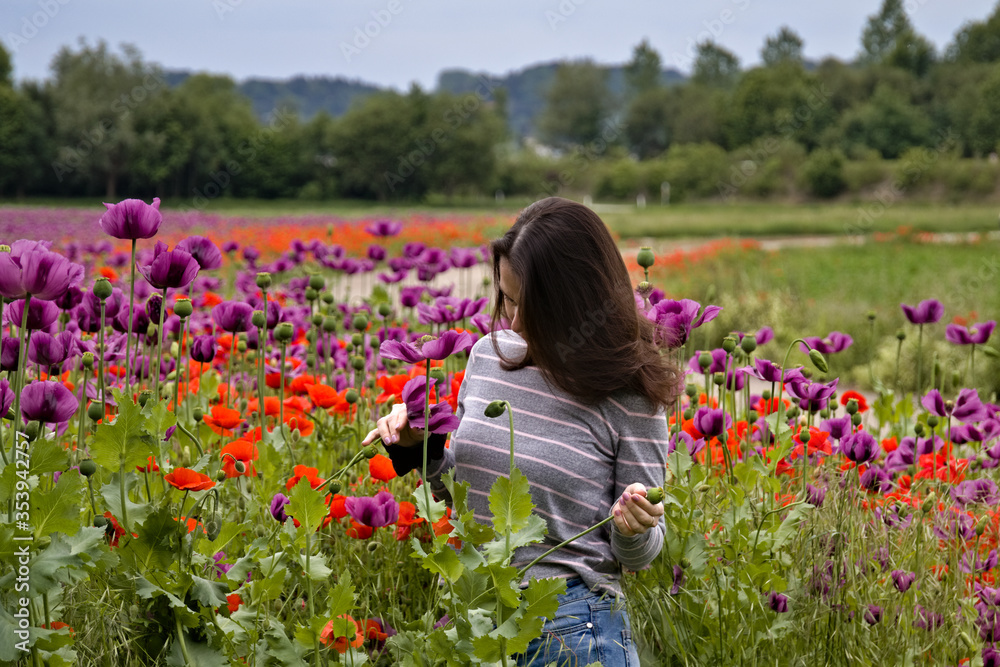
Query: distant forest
{"points": [[901, 114]]}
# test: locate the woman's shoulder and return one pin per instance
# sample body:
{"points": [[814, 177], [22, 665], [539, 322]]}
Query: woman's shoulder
{"points": [[511, 345], [627, 403]]}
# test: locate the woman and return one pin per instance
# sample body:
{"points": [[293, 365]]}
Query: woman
{"points": [[588, 387]]}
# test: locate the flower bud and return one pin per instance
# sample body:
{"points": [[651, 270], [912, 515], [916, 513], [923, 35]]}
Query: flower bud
{"points": [[369, 452], [928, 503], [358, 363], [704, 360], [240, 467], [284, 332], [197, 414], [856, 419], [981, 526], [311, 335], [685, 563], [817, 359], [102, 288], [437, 373], [220, 476], [88, 467], [718, 379], [918, 428], [645, 258], [495, 409], [374, 343], [144, 398], [824, 413], [805, 436], [749, 343], [967, 640], [151, 331], [360, 322], [351, 396], [241, 346], [263, 280], [31, 430], [384, 309], [752, 416], [101, 522], [183, 308], [95, 411], [335, 486], [852, 406], [316, 282], [871, 315], [766, 394], [372, 547], [212, 530], [729, 344], [655, 495], [900, 335], [296, 435], [933, 420], [87, 360], [688, 413], [258, 319]]}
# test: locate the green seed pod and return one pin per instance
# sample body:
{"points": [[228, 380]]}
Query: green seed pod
{"points": [[220, 476], [326, 297], [241, 346], [856, 419], [384, 309], [805, 436], [824, 413], [901, 335], [729, 344], [645, 258], [704, 360], [284, 332], [360, 322], [817, 359], [316, 282], [655, 495], [183, 308], [102, 288], [749, 343], [88, 467], [95, 411], [766, 394], [197, 414], [358, 363], [852, 406], [871, 315], [933, 420], [241, 502], [317, 320], [87, 360], [691, 390], [437, 373], [374, 343], [918, 428], [258, 319], [685, 563], [369, 452], [311, 335], [151, 331], [495, 409], [101, 522], [311, 294], [688, 413], [357, 340], [335, 486], [351, 396], [752, 416], [263, 280], [329, 324], [718, 379]]}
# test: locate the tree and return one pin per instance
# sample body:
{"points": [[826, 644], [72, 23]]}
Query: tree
{"points": [[887, 123], [577, 105], [785, 47], [642, 73], [986, 119], [715, 66], [883, 31], [978, 41], [647, 122], [6, 68], [769, 101]]}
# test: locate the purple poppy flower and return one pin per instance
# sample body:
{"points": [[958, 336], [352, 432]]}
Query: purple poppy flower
{"points": [[838, 427], [204, 251], [9, 351], [860, 447], [140, 322], [376, 253], [965, 433], [928, 311], [70, 299], [903, 580], [675, 320], [47, 350], [718, 364], [813, 396], [678, 581], [441, 419], [6, 397], [410, 296], [873, 614], [954, 525], [966, 408], [169, 268], [764, 370], [278, 503], [777, 602], [384, 228], [220, 567], [132, 219], [463, 258], [31, 269], [975, 491], [233, 316], [991, 658], [710, 422], [112, 304], [692, 446], [971, 563], [48, 402], [899, 459], [439, 348], [977, 334], [928, 620], [876, 480], [230, 246], [41, 314], [154, 304], [833, 343], [203, 349], [382, 510], [815, 496]]}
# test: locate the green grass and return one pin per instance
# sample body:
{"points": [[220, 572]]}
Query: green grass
{"points": [[675, 221]]}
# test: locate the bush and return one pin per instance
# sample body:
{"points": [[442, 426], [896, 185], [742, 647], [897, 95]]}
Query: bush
{"points": [[824, 172], [694, 170]]}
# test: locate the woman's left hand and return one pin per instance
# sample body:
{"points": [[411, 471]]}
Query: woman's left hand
{"points": [[633, 514]]}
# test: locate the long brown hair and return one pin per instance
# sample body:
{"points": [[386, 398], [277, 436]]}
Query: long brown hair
{"points": [[577, 308]]}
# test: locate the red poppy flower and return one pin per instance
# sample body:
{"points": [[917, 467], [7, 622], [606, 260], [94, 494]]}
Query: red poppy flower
{"points": [[301, 422], [223, 420], [374, 630], [380, 468], [114, 531], [234, 601], [359, 531], [392, 387], [338, 506], [848, 395], [323, 396], [301, 384], [301, 471], [59, 625], [456, 384], [191, 524], [272, 406], [152, 467], [189, 480], [240, 450], [108, 273], [340, 643]]}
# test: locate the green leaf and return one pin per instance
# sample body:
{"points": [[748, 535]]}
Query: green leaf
{"points": [[790, 526], [444, 562], [317, 569], [678, 463], [202, 655], [124, 442], [158, 419], [156, 546], [59, 509], [307, 506], [148, 590], [111, 493], [541, 597], [434, 511], [341, 599], [779, 430], [281, 648], [47, 456], [506, 582], [510, 502], [209, 593], [65, 560], [533, 531]]}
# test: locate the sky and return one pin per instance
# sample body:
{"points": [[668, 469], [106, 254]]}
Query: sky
{"points": [[398, 42]]}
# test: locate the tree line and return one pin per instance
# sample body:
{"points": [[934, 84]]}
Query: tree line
{"points": [[106, 123]]}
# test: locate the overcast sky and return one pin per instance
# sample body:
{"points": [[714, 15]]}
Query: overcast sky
{"points": [[413, 40]]}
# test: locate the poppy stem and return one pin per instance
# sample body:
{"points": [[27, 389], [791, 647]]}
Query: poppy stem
{"points": [[128, 333], [157, 358], [427, 433], [83, 411], [100, 350], [920, 359], [178, 369], [19, 378]]}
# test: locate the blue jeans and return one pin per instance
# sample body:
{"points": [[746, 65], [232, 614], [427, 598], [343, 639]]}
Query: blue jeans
{"points": [[588, 627]]}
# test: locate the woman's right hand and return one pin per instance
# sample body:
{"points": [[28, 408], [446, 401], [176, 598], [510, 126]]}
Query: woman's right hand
{"points": [[394, 429]]}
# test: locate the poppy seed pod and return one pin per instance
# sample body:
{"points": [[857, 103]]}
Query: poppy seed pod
{"points": [[351, 396], [263, 280], [87, 360], [852, 406], [183, 308], [311, 294], [284, 332], [901, 335], [326, 298], [645, 258], [197, 414], [819, 361], [88, 467], [688, 413], [655, 495], [856, 419], [804, 436], [100, 522], [437, 373], [358, 363], [102, 288], [933, 420], [317, 319], [316, 282], [729, 344], [335, 486], [495, 409], [691, 390], [360, 322], [241, 346], [749, 343], [918, 428], [258, 319], [357, 340], [753, 416], [329, 324], [384, 309], [704, 360], [871, 315], [95, 411]]}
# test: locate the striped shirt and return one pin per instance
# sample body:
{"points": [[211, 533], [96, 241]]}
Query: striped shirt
{"points": [[577, 458]]}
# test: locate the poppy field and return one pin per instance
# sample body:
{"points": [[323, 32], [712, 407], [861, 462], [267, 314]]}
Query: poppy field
{"points": [[182, 478]]}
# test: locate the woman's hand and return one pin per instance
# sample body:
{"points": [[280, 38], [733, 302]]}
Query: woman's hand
{"points": [[394, 429], [633, 513]]}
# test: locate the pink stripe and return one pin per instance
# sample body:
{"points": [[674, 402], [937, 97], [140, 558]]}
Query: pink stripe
{"points": [[652, 440], [524, 434], [640, 463], [634, 414], [550, 419]]}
